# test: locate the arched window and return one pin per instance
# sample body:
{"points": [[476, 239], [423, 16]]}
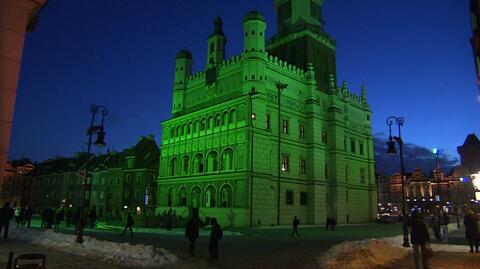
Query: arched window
{"points": [[172, 132], [198, 163], [202, 124], [227, 159], [189, 128], [170, 195], [210, 196], [195, 125], [195, 197], [226, 196], [185, 163], [241, 113], [173, 166], [212, 161], [178, 131], [217, 120], [182, 197], [210, 122], [232, 116], [225, 118], [184, 129]]}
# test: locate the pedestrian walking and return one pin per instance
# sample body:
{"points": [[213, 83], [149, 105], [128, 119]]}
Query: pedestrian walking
{"points": [[216, 235], [295, 224], [22, 216], [6, 215], [28, 215], [435, 225], [471, 230], [93, 217], [420, 240], [68, 215], [445, 220], [333, 224], [129, 225], [327, 223], [192, 232], [17, 216], [44, 218]]}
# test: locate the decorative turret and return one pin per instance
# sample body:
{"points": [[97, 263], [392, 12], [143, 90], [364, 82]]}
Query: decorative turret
{"points": [[254, 27], [297, 15], [364, 95], [216, 44], [183, 69]]}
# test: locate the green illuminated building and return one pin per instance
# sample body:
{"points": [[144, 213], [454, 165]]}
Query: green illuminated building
{"points": [[222, 152]]}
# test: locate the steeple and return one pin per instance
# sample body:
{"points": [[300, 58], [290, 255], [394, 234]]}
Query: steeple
{"points": [[216, 44], [297, 15]]}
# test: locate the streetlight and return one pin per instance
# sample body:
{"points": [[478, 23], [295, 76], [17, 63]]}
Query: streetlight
{"points": [[252, 117], [280, 88], [87, 186], [437, 175], [399, 121]]}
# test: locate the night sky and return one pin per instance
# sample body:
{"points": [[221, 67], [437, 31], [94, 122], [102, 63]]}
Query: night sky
{"points": [[413, 56]]}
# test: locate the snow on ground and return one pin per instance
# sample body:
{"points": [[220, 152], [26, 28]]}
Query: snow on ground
{"points": [[124, 254], [371, 253], [364, 254]]}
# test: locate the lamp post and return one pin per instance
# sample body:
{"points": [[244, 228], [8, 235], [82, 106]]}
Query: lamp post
{"points": [[252, 117], [87, 184], [437, 175], [399, 121], [280, 88]]}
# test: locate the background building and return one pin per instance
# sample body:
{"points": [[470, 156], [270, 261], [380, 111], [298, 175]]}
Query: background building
{"points": [[120, 181], [227, 151], [15, 187]]}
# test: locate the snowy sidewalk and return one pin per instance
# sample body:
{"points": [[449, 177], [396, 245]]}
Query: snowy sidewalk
{"points": [[442, 260]]}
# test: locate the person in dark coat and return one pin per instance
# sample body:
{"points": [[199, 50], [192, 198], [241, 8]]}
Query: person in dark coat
{"points": [[295, 224], [444, 221], [192, 232], [333, 224], [44, 218], [130, 223], [471, 230], [419, 238], [327, 223], [28, 215], [50, 217], [215, 235], [68, 216], [435, 225], [6, 215], [93, 217]]}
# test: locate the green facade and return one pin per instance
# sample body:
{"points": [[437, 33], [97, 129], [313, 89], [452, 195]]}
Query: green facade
{"points": [[221, 151]]}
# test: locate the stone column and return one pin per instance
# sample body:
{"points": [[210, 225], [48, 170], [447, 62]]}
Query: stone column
{"points": [[15, 15]]}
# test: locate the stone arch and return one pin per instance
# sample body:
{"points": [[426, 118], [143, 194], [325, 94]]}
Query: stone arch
{"points": [[185, 164], [217, 120], [189, 128], [225, 118], [196, 125], [184, 129], [182, 196], [170, 196], [210, 196], [195, 196], [212, 161], [198, 163], [210, 122], [232, 116], [173, 166], [226, 160], [203, 123], [226, 196], [241, 113], [177, 131], [172, 132]]}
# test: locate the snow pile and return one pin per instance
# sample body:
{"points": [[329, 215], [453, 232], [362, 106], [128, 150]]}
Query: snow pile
{"points": [[364, 254], [124, 254]]}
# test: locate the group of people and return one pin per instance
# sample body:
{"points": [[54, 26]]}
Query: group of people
{"points": [[192, 233], [420, 238], [23, 216], [330, 223]]}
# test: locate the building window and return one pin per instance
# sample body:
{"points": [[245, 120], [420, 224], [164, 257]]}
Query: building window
{"points": [[128, 178], [284, 163], [360, 148], [130, 163], [352, 146], [324, 137], [138, 178], [302, 167], [302, 131], [285, 126], [303, 198], [362, 175], [202, 125], [127, 194], [289, 197], [267, 122]]}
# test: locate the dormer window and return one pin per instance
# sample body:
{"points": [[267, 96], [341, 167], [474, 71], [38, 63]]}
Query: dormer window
{"points": [[130, 162]]}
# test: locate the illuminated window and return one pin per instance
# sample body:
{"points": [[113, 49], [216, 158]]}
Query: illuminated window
{"points": [[285, 126], [302, 131], [285, 163]]}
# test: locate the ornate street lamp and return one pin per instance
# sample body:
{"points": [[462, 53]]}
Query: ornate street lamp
{"points": [[280, 88], [399, 121], [87, 186]]}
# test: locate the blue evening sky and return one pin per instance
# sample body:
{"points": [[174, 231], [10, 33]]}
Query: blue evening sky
{"points": [[413, 56]]}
